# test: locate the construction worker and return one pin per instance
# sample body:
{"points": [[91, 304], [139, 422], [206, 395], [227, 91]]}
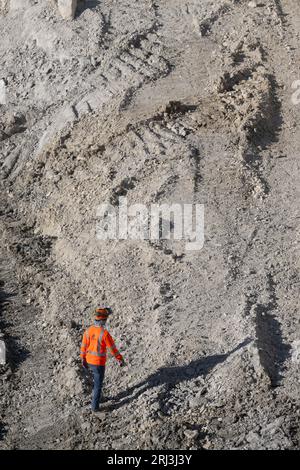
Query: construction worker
{"points": [[96, 340]]}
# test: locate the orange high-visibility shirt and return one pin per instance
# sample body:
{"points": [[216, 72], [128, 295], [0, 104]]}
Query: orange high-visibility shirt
{"points": [[95, 342]]}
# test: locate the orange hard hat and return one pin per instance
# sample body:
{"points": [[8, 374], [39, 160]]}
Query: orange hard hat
{"points": [[102, 313]]}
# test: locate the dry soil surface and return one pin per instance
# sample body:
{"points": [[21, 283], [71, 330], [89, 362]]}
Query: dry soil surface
{"points": [[161, 101]]}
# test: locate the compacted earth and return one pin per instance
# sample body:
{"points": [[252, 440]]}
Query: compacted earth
{"points": [[159, 102]]}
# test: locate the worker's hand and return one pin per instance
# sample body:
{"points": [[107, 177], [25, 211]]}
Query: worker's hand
{"points": [[84, 364], [122, 363]]}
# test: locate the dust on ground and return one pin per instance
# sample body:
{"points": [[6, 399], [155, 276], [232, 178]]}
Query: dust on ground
{"points": [[161, 102]]}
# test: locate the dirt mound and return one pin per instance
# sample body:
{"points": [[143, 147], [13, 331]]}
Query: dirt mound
{"points": [[161, 103]]}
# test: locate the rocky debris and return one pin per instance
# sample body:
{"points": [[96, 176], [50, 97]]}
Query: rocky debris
{"points": [[3, 7], [191, 433], [124, 103]]}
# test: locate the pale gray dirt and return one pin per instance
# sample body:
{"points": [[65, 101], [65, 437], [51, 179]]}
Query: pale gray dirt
{"points": [[162, 101]]}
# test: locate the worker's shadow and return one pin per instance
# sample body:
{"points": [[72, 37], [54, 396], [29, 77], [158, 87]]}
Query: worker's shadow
{"points": [[171, 376]]}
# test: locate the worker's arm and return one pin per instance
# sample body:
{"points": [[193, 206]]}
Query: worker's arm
{"points": [[110, 344], [84, 346]]}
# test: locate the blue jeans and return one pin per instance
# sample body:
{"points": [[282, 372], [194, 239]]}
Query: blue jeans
{"points": [[98, 373]]}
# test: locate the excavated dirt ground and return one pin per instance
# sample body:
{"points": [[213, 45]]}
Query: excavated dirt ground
{"points": [[160, 101]]}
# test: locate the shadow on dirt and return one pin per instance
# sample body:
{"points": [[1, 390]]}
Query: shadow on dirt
{"points": [[86, 5], [15, 353], [273, 351], [268, 126], [171, 376]]}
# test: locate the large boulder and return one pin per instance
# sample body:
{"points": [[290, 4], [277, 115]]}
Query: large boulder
{"points": [[67, 8]]}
